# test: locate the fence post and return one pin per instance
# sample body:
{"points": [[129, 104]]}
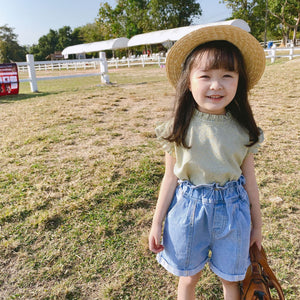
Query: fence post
{"points": [[291, 51], [143, 61], [273, 53], [31, 73], [103, 68]]}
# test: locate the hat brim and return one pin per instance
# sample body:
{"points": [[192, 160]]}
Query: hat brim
{"points": [[253, 53]]}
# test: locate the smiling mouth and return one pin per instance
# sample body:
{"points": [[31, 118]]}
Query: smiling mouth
{"points": [[215, 97]]}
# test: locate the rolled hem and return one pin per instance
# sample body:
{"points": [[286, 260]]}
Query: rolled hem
{"points": [[232, 278], [178, 272]]}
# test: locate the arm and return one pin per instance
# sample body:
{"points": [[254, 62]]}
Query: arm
{"points": [[253, 193], [165, 197]]}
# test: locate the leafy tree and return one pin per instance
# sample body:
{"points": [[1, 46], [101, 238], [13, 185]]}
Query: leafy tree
{"points": [[107, 21], [287, 12], [65, 38], [253, 12], [87, 34], [55, 40], [131, 17], [47, 44], [10, 50], [172, 13], [282, 16]]}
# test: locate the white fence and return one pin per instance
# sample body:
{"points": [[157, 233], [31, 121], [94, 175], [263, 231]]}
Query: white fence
{"points": [[101, 63], [31, 67], [57, 65], [275, 52], [93, 63], [143, 60]]}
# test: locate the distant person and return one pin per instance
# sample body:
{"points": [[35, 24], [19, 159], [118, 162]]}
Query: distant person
{"points": [[209, 196]]}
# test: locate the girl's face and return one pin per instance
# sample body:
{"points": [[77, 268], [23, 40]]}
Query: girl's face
{"points": [[212, 88]]}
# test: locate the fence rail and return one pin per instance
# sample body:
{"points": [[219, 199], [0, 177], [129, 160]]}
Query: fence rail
{"points": [[278, 52], [92, 63], [101, 63], [57, 65], [31, 66], [137, 61]]}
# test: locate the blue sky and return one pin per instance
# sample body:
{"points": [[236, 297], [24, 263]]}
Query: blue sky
{"points": [[32, 19]]}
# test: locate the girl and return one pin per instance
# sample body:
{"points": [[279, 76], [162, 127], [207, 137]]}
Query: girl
{"points": [[209, 196]]}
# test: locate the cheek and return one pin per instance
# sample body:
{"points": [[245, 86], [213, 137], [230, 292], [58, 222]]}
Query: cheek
{"points": [[233, 87], [191, 85]]}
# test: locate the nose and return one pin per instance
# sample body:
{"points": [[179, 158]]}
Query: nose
{"points": [[216, 85]]}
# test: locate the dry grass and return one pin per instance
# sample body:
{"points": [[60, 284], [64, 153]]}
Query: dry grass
{"points": [[79, 175]]}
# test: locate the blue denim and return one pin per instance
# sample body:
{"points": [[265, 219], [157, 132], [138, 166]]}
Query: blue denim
{"points": [[208, 223]]}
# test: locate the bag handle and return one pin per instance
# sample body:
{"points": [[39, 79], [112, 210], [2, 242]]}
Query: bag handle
{"points": [[259, 256]]}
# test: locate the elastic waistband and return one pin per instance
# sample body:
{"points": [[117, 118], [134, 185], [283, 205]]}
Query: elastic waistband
{"points": [[215, 186], [214, 193]]}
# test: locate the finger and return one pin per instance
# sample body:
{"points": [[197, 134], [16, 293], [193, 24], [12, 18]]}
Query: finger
{"points": [[258, 245], [158, 249], [154, 246]]}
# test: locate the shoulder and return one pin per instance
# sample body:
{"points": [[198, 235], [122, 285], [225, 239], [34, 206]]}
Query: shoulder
{"points": [[162, 131]]}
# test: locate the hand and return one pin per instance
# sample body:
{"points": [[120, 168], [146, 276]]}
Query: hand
{"points": [[154, 239], [256, 237]]}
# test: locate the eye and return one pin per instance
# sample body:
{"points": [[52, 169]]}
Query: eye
{"points": [[228, 76], [204, 77]]}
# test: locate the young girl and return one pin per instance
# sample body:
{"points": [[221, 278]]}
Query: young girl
{"points": [[209, 196]]}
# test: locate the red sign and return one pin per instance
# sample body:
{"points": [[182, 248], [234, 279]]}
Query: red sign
{"points": [[9, 79]]}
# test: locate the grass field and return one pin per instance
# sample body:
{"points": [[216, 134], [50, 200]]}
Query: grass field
{"points": [[80, 171]]}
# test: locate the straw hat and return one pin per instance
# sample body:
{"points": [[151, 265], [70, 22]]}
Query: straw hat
{"points": [[253, 53]]}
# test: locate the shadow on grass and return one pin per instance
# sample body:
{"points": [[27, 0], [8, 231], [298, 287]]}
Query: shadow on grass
{"points": [[20, 97]]}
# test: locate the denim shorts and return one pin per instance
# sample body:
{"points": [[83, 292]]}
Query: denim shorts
{"points": [[208, 223]]}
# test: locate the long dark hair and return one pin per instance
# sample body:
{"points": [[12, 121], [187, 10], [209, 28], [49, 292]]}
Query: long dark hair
{"points": [[222, 54]]}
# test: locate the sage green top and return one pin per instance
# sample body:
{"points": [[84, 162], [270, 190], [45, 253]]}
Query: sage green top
{"points": [[218, 149]]}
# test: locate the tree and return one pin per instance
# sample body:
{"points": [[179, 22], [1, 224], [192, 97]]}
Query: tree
{"points": [[107, 21], [47, 44], [87, 34], [287, 12], [131, 17], [281, 16], [10, 50], [55, 40], [65, 38], [172, 14], [253, 12]]}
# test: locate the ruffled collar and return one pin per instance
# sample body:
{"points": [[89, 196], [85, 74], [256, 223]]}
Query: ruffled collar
{"points": [[211, 117]]}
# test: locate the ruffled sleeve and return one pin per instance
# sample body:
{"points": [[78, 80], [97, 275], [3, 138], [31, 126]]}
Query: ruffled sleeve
{"points": [[162, 131], [254, 148]]}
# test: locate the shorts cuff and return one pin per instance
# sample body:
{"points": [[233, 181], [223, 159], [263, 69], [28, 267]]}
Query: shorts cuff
{"points": [[228, 277], [176, 271]]}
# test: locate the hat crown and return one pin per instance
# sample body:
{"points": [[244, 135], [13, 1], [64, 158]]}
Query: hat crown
{"points": [[252, 52]]}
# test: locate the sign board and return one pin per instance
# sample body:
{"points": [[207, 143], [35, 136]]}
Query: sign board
{"points": [[9, 79]]}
